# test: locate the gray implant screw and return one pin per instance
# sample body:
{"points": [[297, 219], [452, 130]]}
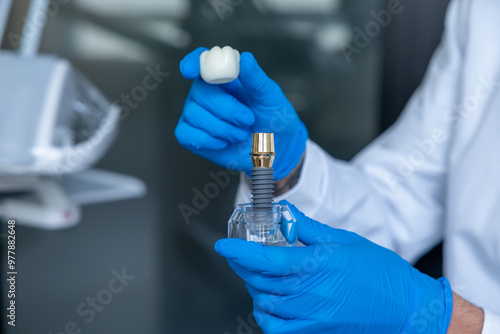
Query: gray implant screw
{"points": [[262, 186]]}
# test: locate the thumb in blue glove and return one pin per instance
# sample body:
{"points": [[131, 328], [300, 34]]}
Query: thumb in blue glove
{"points": [[339, 282], [218, 120]]}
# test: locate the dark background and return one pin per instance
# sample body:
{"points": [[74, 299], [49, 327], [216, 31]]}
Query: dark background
{"points": [[181, 285]]}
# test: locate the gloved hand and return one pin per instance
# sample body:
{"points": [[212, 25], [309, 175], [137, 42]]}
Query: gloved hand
{"points": [[339, 283], [218, 120]]}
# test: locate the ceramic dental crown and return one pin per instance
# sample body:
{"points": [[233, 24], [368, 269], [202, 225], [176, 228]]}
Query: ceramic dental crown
{"points": [[219, 66]]}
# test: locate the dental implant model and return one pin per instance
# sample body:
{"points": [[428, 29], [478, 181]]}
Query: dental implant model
{"points": [[262, 171], [263, 221]]}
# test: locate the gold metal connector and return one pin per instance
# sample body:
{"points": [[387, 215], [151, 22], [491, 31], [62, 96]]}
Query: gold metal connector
{"points": [[263, 149]]}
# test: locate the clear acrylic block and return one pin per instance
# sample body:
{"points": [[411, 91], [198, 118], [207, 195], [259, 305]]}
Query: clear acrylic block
{"points": [[271, 226]]}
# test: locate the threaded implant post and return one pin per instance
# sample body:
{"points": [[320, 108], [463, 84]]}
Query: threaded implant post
{"points": [[262, 186]]}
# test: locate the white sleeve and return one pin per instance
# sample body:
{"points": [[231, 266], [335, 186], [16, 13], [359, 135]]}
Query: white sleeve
{"points": [[393, 191], [491, 323]]}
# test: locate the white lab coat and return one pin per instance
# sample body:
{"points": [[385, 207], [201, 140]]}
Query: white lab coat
{"points": [[436, 173]]}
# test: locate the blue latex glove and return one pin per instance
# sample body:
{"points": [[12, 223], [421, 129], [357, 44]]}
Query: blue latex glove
{"points": [[218, 120], [339, 283]]}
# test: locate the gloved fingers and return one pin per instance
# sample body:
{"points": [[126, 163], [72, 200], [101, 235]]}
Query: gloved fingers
{"points": [[236, 89], [196, 139], [262, 90], [312, 232], [272, 324], [198, 117], [223, 105], [269, 323], [241, 271], [266, 284], [190, 65], [279, 305], [266, 260], [284, 285], [301, 303]]}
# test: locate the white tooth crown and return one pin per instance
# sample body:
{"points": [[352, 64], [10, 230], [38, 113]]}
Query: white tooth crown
{"points": [[219, 66]]}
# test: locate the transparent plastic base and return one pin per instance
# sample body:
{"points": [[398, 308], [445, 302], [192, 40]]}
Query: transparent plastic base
{"points": [[271, 226]]}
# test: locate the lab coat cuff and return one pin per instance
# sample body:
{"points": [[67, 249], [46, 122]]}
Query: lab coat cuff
{"points": [[491, 323], [311, 186]]}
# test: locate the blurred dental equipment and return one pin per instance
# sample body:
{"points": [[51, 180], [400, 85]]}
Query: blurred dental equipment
{"points": [[54, 125], [298, 6]]}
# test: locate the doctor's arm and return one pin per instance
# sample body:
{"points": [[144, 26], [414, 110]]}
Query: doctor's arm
{"points": [[466, 317]]}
